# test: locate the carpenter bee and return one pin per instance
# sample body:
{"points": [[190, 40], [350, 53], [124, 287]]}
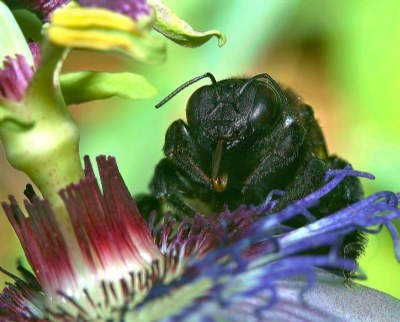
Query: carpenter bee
{"points": [[245, 137]]}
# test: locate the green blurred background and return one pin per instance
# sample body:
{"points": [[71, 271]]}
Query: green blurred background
{"points": [[341, 56]]}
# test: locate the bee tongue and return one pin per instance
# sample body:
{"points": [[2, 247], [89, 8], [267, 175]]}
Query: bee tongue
{"points": [[219, 180]]}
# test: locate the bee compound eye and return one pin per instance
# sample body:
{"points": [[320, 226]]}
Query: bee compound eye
{"points": [[264, 109]]}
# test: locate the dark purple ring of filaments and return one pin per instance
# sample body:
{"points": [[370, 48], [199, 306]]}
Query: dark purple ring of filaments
{"points": [[230, 244]]}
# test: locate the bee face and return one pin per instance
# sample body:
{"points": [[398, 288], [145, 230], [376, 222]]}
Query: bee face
{"points": [[233, 110]]}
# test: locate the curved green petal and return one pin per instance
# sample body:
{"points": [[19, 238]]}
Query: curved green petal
{"points": [[179, 31], [81, 87]]}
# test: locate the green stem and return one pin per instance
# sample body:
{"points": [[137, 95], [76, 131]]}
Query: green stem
{"points": [[48, 150]]}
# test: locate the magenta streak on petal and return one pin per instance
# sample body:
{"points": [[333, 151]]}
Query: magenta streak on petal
{"points": [[43, 243], [109, 222], [109, 226], [14, 77], [36, 50]]}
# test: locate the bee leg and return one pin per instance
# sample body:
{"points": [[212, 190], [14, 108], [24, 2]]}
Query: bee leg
{"points": [[346, 193], [147, 204], [184, 152], [288, 146], [171, 187], [308, 178]]}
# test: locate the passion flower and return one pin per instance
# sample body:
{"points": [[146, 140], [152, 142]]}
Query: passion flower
{"points": [[234, 265]]}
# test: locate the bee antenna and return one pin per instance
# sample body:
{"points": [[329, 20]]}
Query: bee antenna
{"points": [[188, 83]]}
